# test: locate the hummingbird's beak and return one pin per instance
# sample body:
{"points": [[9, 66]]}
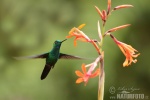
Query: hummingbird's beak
{"points": [[63, 40]]}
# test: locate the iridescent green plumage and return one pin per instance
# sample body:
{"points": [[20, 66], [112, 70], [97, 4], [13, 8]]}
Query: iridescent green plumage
{"points": [[51, 57]]}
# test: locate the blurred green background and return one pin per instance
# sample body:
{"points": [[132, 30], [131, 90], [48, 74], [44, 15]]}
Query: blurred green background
{"points": [[29, 27]]}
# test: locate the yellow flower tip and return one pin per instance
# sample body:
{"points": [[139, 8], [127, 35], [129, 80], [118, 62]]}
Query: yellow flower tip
{"points": [[125, 64], [134, 61], [81, 26], [138, 54], [72, 30]]}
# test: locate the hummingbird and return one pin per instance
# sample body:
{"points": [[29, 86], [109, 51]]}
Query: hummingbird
{"points": [[51, 57]]}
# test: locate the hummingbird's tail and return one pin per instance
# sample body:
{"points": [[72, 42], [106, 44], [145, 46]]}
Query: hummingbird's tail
{"points": [[46, 70]]}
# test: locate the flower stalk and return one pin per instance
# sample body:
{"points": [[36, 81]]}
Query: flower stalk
{"points": [[90, 70], [101, 79]]}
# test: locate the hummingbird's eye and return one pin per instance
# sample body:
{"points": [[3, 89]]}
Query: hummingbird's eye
{"points": [[55, 42]]}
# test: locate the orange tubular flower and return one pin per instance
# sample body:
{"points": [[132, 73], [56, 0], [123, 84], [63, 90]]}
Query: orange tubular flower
{"points": [[84, 77], [122, 6], [116, 28], [79, 35], [108, 6], [128, 51]]}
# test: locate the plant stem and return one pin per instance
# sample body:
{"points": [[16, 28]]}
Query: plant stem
{"points": [[101, 79]]}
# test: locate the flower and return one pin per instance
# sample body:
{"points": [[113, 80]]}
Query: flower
{"points": [[99, 12], [128, 51], [116, 28], [79, 35], [122, 6], [85, 76], [108, 7], [102, 14]]}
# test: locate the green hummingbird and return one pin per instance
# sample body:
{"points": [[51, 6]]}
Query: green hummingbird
{"points": [[51, 57]]}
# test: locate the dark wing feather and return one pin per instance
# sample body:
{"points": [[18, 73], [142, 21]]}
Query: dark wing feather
{"points": [[66, 56], [34, 56]]}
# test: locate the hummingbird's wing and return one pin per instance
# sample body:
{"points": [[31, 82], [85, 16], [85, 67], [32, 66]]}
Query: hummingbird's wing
{"points": [[66, 56], [34, 56]]}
